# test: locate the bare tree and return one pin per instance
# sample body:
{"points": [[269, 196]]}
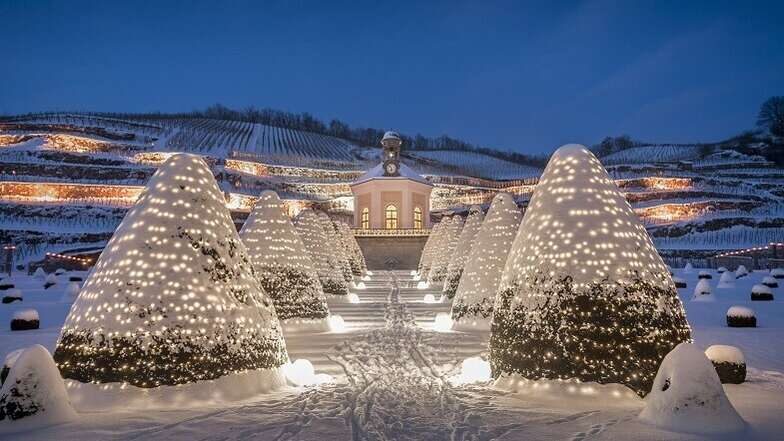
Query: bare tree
{"points": [[771, 115]]}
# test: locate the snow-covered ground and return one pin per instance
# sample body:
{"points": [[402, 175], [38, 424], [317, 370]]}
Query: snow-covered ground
{"points": [[392, 378]]}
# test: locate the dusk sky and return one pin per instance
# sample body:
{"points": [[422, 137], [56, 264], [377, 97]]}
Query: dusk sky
{"points": [[518, 76]]}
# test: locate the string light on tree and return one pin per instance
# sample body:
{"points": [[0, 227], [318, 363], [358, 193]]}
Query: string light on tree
{"points": [[444, 250], [464, 244], [584, 294], [310, 230], [473, 305], [173, 299]]}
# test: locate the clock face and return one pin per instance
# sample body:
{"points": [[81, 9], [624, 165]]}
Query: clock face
{"points": [[391, 168]]}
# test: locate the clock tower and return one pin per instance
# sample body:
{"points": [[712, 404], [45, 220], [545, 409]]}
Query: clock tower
{"points": [[391, 143]]}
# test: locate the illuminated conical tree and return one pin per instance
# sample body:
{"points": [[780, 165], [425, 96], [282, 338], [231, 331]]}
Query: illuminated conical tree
{"points": [[445, 249], [173, 298], [426, 258], [324, 261], [336, 245], [473, 305], [282, 264], [584, 294], [355, 258], [459, 257]]}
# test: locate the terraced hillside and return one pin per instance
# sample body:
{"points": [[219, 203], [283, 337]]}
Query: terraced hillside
{"points": [[67, 179]]}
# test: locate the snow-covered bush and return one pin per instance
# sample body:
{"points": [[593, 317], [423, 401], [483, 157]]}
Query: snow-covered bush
{"points": [[338, 250], [777, 273], [71, 292], [703, 274], [473, 305], [679, 282], [609, 319], [33, 394], [770, 282], [703, 292], [51, 280], [729, 362], [182, 299], [460, 256], [426, 259], [6, 285], [741, 272], [12, 295], [321, 253], [39, 273], [350, 244], [25, 320], [688, 269], [282, 264], [726, 281], [761, 292], [445, 250], [687, 395], [741, 317], [75, 279], [59, 272], [721, 270]]}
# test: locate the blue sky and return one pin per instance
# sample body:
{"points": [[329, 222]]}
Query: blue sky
{"points": [[523, 76]]}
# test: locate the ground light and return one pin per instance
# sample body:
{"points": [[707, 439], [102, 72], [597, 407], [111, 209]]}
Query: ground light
{"points": [[336, 323], [353, 298], [429, 298], [443, 322], [472, 370], [302, 373]]}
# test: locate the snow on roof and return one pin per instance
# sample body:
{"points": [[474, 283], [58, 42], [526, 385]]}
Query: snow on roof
{"points": [[377, 172]]}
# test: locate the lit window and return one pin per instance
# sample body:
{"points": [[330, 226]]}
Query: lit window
{"points": [[391, 217], [417, 217], [365, 219]]}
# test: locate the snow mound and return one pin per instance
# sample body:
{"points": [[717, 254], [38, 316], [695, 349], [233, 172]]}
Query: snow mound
{"points": [[688, 269], [26, 314], [703, 274], [721, 270], [71, 292], [777, 273], [33, 394], [173, 298], [282, 263], [687, 396], [473, 305], [741, 272], [740, 311], [584, 293], [770, 282], [50, 281], [727, 280], [761, 289], [725, 354], [39, 273], [702, 292], [320, 249], [460, 255]]}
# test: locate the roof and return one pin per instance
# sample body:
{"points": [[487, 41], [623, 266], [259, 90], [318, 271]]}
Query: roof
{"points": [[377, 172]]}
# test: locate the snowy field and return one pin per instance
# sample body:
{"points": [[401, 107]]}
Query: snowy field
{"points": [[393, 379]]}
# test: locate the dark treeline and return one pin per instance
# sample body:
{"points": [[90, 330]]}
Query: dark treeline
{"points": [[339, 129]]}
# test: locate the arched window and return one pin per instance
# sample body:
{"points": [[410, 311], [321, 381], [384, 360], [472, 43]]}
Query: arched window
{"points": [[417, 217], [390, 217], [364, 220]]}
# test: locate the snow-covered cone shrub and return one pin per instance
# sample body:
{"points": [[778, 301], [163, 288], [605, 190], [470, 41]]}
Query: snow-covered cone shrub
{"points": [[446, 251], [729, 362], [460, 255], [71, 292], [336, 244], [51, 280], [5, 285], [39, 273], [741, 272], [679, 283], [12, 295], [726, 281], [703, 274], [33, 394], [59, 271], [282, 264], [440, 242], [777, 273], [702, 292], [173, 298], [9, 361], [721, 270], [761, 292], [741, 317], [688, 269], [687, 395], [25, 320], [425, 260], [770, 282], [326, 265], [473, 305], [350, 244], [584, 294]]}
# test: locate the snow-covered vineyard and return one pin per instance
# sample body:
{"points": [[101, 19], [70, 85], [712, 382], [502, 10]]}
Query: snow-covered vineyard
{"points": [[560, 321]]}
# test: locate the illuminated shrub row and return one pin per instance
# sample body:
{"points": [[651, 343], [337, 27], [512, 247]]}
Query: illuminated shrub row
{"points": [[460, 255]]}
